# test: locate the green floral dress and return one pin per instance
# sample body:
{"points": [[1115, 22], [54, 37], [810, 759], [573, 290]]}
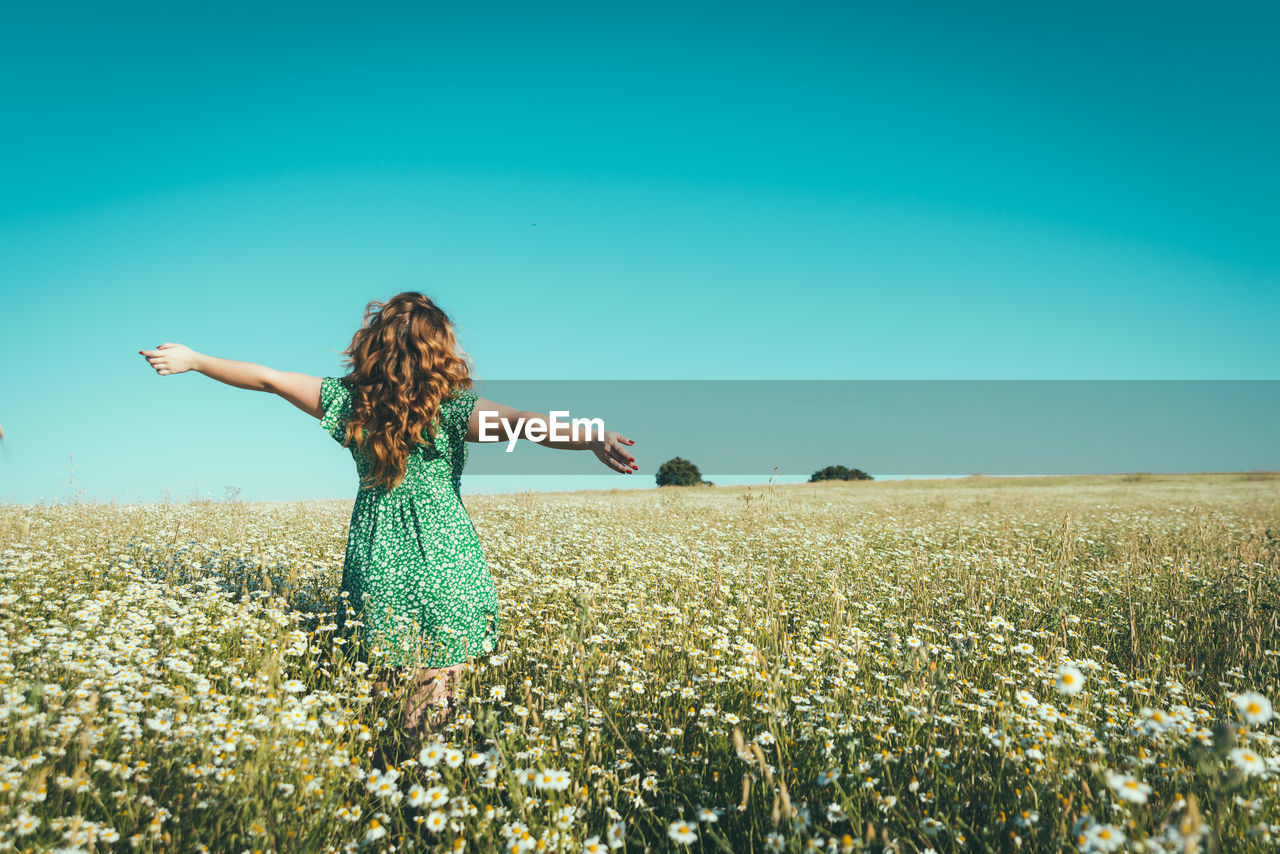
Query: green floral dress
{"points": [[415, 578]]}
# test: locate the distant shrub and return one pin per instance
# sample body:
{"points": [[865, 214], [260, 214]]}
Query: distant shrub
{"points": [[839, 473], [679, 472]]}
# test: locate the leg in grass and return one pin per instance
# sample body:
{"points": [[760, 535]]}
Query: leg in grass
{"points": [[432, 694]]}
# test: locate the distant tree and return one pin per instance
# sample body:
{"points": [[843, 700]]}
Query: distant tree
{"points": [[678, 472], [839, 473]]}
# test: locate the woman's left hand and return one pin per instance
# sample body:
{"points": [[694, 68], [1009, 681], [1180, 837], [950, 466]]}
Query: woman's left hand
{"points": [[171, 358], [612, 451]]}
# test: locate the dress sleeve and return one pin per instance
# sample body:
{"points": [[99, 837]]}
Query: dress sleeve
{"points": [[461, 404], [335, 400]]}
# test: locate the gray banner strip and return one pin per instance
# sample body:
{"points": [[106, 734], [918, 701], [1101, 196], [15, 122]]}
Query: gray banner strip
{"points": [[925, 427]]}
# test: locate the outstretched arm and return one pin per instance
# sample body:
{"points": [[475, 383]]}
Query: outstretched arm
{"points": [[512, 423], [302, 390]]}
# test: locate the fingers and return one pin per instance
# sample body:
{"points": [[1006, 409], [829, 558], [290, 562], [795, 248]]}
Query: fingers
{"points": [[609, 455], [619, 459], [157, 361], [624, 455]]}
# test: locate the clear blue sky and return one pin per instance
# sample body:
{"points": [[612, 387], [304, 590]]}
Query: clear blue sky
{"points": [[659, 190]]}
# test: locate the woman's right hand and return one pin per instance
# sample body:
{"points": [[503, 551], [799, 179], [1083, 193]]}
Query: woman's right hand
{"points": [[612, 451], [171, 358]]}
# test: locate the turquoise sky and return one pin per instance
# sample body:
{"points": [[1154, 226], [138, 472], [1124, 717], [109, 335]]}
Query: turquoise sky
{"points": [[645, 191]]}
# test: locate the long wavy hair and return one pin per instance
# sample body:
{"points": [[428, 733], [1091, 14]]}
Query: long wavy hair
{"points": [[404, 362]]}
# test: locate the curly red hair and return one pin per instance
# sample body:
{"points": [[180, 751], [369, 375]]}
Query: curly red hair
{"points": [[404, 362]]}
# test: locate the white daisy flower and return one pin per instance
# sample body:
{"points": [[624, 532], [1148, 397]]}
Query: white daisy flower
{"points": [[383, 783], [556, 781], [616, 835], [375, 830], [1128, 788], [431, 755], [1103, 837], [1069, 680], [683, 833], [1254, 708], [1248, 761]]}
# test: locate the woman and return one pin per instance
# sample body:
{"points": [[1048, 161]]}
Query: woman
{"points": [[414, 574]]}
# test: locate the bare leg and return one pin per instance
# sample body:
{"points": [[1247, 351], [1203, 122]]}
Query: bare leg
{"points": [[433, 688], [386, 683], [429, 694]]}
